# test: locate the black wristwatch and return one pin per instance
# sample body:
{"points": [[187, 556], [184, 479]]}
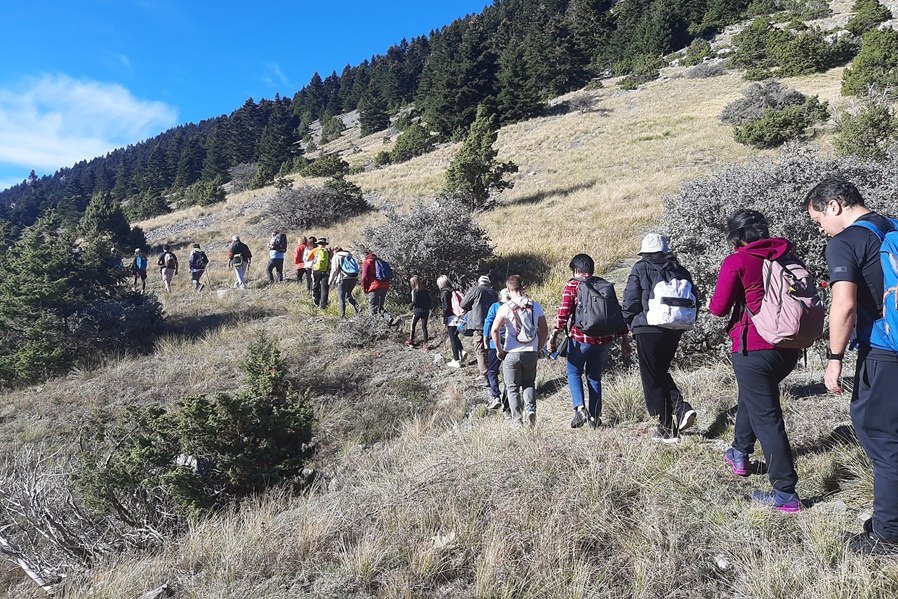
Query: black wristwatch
{"points": [[832, 356]]}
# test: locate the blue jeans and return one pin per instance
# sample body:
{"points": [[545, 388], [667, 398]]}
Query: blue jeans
{"points": [[589, 359]]}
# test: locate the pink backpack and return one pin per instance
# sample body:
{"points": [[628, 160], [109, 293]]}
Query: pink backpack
{"points": [[791, 314]]}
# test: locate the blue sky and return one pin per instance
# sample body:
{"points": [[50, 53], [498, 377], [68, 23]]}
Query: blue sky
{"points": [[79, 78]]}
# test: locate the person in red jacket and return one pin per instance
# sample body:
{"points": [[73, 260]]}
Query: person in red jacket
{"points": [[758, 365], [299, 259], [375, 290]]}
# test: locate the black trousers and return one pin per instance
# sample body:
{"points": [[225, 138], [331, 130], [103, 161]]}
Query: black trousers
{"points": [[760, 415], [875, 418], [320, 288], [454, 342], [275, 264], [655, 351]]}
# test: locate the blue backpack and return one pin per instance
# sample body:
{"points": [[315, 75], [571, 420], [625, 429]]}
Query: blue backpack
{"points": [[349, 266], [884, 334], [382, 270]]}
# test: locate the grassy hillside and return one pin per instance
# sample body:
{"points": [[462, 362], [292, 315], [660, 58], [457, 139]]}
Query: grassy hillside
{"points": [[419, 492]]}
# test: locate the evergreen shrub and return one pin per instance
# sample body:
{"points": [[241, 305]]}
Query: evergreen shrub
{"points": [[867, 132], [770, 114], [867, 15], [416, 140], [327, 165], [162, 465], [875, 69]]}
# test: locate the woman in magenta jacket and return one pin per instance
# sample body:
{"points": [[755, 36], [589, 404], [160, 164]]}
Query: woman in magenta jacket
{"points": [[759, 366]]}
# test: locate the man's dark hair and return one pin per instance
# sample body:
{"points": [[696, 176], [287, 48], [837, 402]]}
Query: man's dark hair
{"points": [[746, 226], [840, 190], [513, 282], [582, 263]]}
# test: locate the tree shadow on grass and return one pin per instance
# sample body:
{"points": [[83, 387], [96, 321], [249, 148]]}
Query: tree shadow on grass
{"points": [[542, 194], [532, 267], [194, 327]]}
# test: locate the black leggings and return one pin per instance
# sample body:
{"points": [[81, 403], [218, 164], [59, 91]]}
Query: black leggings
{"points": [[423, 320], [454, 342]]}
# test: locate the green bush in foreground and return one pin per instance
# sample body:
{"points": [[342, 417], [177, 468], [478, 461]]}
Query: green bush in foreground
{"points": [[159, 466]]}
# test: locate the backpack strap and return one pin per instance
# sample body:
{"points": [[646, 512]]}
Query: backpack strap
{"points": [[865, 224]]}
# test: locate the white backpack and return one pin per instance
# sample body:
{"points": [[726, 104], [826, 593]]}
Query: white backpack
{"points": [[672, 305]]}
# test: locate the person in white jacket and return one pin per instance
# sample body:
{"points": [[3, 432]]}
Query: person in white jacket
{"points": [[344, 277]]}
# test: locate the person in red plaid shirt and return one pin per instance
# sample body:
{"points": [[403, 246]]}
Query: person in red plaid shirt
{"points": [[585, 354]]}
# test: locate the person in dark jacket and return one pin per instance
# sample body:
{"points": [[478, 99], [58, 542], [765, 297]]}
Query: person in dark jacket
{"points": [[856, 284], [758, 365], [420, 307], [197, 261], [239, 257], [451, 320], [476, 304], [656, 345]]}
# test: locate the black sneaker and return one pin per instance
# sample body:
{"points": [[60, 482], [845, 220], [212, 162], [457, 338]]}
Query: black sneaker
{"points": [[870, 543], [579, 419], [665, 435], [686, 420]]}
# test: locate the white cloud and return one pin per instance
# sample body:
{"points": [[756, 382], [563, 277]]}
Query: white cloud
{"points": [[54, 121], [274, 76]]}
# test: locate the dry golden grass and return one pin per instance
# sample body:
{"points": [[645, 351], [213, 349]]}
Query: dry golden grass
{"points": [[450, 501]]}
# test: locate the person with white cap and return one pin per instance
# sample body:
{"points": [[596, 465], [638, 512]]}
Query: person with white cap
{"points": [[659, 304], [476, 304], [239, 257]]}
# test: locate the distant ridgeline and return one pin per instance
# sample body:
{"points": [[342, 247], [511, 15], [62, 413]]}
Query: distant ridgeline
{"points": [[510, 58]]}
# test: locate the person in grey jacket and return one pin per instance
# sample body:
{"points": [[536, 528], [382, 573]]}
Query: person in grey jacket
{"points": [[655, 345], [476, 304]]}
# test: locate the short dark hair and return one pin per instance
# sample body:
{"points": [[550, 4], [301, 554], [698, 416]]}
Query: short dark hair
{"points": [[843, 191], [582, 263], [513, 282], [746, 226]]}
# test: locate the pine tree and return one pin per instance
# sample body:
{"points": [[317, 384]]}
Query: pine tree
{"points": [[373, 116], [519, 93], [474, 173], [276, 146]]}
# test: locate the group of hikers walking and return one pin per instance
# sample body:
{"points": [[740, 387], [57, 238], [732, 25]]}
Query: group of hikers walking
{"points": [[764, 290], [774, 311]]}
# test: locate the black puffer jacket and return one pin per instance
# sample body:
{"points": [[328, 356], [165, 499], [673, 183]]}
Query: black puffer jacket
{"points": [[646, 273]]}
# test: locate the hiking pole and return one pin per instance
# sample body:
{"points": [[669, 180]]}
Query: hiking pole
{"points": [[209, 280]]}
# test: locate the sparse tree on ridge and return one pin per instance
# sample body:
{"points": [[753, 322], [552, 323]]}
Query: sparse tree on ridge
{"points": [[475, 173]]}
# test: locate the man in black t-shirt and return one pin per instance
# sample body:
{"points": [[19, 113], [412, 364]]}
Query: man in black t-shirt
{"points": [[852, 257]]}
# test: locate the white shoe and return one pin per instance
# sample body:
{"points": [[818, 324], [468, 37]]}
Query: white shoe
{"points": [[454, 364], [464, 354]]}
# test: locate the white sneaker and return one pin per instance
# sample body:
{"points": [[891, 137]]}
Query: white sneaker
{"points": [[454, 364], [464, 354]]}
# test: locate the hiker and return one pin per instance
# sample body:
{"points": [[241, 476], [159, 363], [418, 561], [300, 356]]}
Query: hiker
{"points": [[115, 259], [525, 333], [452, 320], [374, 286], [308, 255], [321, 268], [239, 257], [277, 249], [587, 352], [299, 258], [197, 261], [857, 286], [139, 269], [168, 266], [420, 307], [499, 399], [344, 277], [656, 341], [476, 303], [759, 366]]}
